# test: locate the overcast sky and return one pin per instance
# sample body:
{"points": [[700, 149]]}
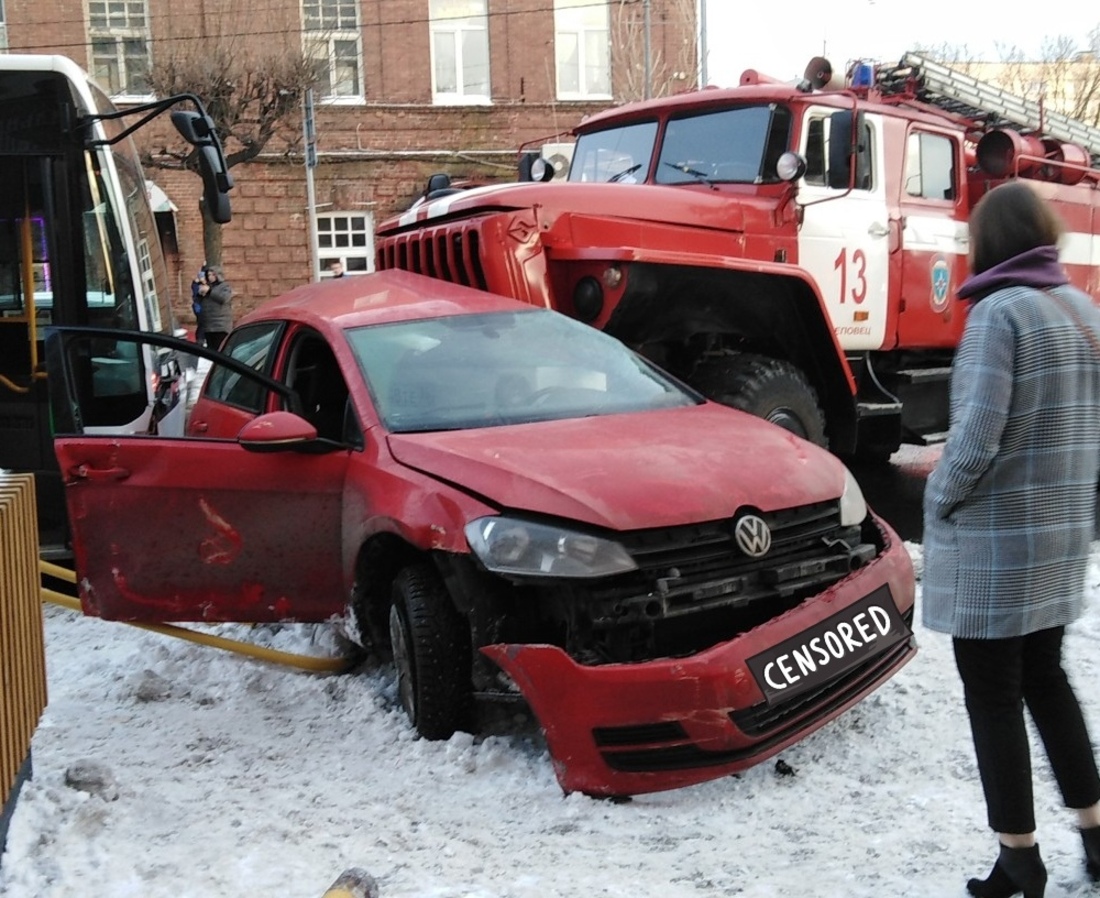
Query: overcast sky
{"points": [[745, 35]]}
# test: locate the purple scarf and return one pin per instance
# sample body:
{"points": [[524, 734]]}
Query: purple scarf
{"points": [[1038, 267]]}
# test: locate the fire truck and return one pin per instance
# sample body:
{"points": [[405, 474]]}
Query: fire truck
{"points": [[79, 246], [791, 249]]}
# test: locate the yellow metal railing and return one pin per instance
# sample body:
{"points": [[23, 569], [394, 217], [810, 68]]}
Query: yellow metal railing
{"points": [[22, 644], [290, 659]]}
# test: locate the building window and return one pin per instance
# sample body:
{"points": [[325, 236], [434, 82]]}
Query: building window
{"points": [[119, 34], [347, 238], [583, 47], [460, 51], [333, 38], [3, 28]]}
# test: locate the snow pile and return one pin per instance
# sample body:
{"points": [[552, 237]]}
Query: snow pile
{"points": [[234, 777]]}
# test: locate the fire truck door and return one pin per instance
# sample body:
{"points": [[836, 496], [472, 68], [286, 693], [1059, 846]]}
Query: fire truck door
{"points": [[934, 241], [844, 239]]}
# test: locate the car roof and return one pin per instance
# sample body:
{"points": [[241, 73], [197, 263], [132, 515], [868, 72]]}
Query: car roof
{"points": [[381, 297]]}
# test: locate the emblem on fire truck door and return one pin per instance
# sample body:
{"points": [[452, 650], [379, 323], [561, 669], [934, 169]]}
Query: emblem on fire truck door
{"points": [[941, 283]]}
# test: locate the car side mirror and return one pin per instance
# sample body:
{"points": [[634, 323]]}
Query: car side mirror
{"points": [[277, 432]]}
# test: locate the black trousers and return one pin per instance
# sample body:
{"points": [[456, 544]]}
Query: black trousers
{"points": [[999, 677]]}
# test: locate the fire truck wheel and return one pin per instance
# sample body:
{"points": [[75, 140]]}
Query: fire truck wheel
{"points": [[431, 652], [768, 388]]}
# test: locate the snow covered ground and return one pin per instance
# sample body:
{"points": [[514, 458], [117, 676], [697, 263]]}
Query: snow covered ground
{"points": [[238, 777]]}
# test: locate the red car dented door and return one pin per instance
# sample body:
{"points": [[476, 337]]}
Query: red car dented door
{"points": [[203, 530]]}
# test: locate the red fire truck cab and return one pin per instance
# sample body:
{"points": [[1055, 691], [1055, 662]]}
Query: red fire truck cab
{"points": [[789, 249]]}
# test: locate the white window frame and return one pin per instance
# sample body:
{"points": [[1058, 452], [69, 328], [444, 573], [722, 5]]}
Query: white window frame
{"points": [[574, 22], [345, 237], [457, 21], [3, 28], [123, 24], [328, 26]]}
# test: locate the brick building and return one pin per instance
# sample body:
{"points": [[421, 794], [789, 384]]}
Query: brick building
{"points": [[407, 88]]}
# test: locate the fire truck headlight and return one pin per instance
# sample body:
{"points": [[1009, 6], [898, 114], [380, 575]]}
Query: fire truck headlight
{"points": [[588, 299]]}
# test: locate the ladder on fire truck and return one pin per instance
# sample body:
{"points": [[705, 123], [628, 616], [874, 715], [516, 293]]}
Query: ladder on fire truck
{"points": [[962, 94]]}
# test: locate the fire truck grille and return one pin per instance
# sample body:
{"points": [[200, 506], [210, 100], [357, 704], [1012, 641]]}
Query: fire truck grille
{"points": [[450, 253]]}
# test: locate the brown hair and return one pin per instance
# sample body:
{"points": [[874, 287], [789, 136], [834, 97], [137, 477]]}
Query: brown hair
{"points": [[1011, 219]]}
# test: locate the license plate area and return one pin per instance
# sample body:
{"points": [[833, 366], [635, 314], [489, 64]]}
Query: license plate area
{"points": [[829, 649]]}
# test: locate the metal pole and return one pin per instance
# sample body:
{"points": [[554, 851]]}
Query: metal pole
{"points": [[703, 43], [309, 134], [648, 61]]}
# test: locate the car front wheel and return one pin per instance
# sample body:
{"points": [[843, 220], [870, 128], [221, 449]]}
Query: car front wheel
{"points": [[431, 652]]}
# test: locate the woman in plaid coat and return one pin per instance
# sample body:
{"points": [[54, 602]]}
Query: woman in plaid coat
{"points": [[1009, 515]]}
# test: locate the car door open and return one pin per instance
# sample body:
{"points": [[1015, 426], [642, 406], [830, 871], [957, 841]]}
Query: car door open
{"points": [[194, 528]]}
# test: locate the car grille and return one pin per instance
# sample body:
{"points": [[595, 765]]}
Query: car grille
{"points": [[695, 588], [450, 253]]}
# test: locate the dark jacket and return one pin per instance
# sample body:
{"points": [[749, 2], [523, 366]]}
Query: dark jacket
{"points": [[217, 308]]}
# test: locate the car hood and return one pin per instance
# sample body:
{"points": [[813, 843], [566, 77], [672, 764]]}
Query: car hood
{"points": [[631, 471]]}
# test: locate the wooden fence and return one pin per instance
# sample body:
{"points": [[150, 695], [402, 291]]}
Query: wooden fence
{"points": [[22, 645]]}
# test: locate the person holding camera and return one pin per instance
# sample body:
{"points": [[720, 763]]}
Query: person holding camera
{"points": [[217, 307], [197, 286]]}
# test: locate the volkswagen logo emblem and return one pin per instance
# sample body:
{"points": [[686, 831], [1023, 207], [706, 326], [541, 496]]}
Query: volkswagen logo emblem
{"points": [[753, 536]]}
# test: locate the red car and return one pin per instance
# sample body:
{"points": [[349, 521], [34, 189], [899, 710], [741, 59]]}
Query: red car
{"points": [[515, 504]]}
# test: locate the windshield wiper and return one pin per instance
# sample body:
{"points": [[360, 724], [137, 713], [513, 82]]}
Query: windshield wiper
{"points": [[695, 173], [618, 176]]}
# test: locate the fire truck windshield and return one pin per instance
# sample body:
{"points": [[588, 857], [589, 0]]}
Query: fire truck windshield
{"points": [[615, 154], [741, 144]]}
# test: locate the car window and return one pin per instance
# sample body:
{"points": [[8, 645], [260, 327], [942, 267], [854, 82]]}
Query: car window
{"points": [[254, 346], [321, 390], [488, 370]]}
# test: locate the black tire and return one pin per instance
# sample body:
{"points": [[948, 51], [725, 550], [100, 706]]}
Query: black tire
{"points": [[431, 652], [769, 388]]}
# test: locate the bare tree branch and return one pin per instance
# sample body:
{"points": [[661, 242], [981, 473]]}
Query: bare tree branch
{"points": [[250, 96], [1063, 78], [667, 74]]}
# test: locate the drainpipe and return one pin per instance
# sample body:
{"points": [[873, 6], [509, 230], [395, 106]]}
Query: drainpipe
{"points": [[703, 43]]}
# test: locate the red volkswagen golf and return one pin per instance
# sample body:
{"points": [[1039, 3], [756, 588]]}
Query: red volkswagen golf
{"points": [[514, 505]]}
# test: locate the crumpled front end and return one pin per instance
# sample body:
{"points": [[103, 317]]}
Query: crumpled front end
{"points": [[645, 726]]}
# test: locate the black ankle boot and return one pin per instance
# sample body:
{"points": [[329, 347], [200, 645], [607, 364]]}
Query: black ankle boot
{"points": [[1091, 838], [1017, 870]]}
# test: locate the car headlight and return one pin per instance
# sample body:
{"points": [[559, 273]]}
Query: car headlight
{"points": [[515, 546], [853, 507]]}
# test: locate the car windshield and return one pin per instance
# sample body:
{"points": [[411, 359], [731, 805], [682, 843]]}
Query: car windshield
{"points": [[487, 370]]}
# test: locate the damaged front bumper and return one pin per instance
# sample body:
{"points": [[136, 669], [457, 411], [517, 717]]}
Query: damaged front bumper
{"points": [[622, 729]]}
